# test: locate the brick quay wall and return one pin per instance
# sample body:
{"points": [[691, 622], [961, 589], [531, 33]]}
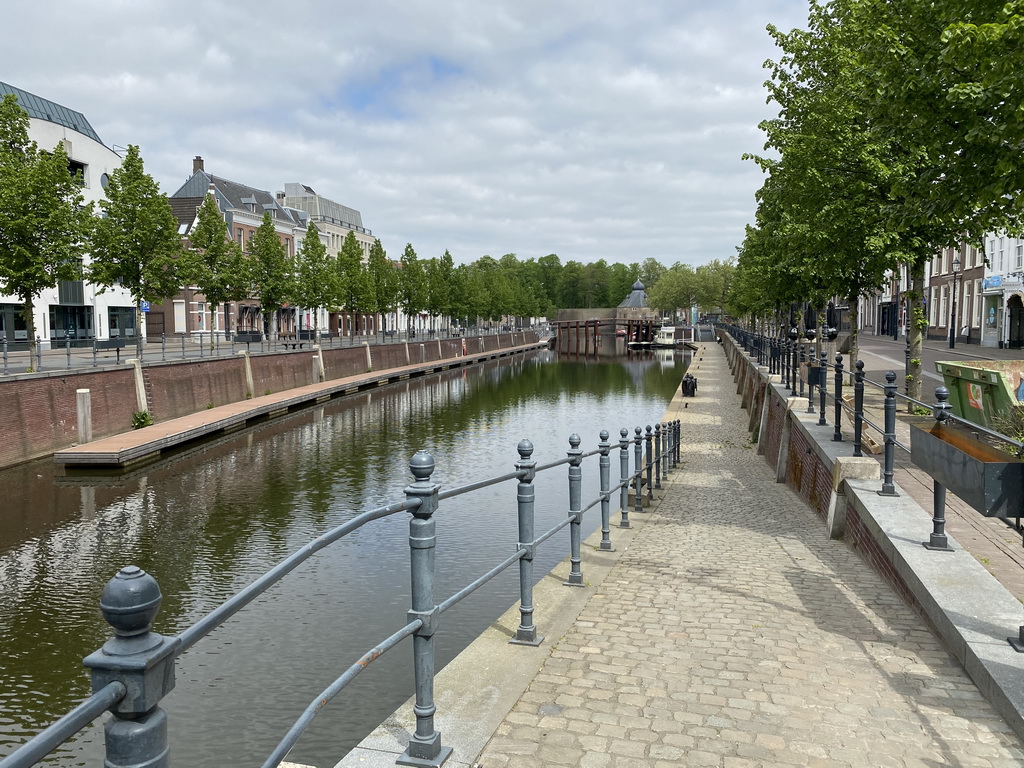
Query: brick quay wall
{"points": [[39, 413]]}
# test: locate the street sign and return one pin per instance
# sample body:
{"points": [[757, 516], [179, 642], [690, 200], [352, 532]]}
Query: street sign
{"points": [[144, 306]]}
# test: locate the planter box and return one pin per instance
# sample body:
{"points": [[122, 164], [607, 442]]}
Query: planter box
{"points": [[990, 481]]}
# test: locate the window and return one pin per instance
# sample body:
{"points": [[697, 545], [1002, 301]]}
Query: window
{"points": [[1019, 261], [239, 234], [179, 316], [978, 301]]}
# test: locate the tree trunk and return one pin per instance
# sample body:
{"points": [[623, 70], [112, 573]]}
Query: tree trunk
{"points": [[916, 324], [854, 303], [28, 310]]}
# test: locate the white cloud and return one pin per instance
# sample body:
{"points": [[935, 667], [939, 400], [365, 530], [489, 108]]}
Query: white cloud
{"points": [[600, 129]]}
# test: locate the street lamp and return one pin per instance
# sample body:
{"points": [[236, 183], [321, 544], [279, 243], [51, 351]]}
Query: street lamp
{"points": [[952, 309]]}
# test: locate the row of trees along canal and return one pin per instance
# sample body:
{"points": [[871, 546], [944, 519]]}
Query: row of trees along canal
{"points": [[899, 133], [46, 230]]}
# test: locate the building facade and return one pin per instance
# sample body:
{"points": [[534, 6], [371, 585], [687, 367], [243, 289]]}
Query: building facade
{"points": [[188, 313], [76, 311], [335, 221], [1002, 292]]}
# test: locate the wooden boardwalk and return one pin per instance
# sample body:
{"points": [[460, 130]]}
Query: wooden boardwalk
{"points": [[139, 446]]}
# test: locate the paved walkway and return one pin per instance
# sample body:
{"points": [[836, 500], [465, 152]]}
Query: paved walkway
{"points": [[733, 633]]}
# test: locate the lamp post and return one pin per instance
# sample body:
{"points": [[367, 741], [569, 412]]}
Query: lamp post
{"points": [[952, 309]]}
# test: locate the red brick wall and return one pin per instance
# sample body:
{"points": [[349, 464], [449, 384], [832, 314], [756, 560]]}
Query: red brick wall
{"points": [[276, 373], [773, 428], [807, 474], [172, 394], [40, 413], [860, 539]]}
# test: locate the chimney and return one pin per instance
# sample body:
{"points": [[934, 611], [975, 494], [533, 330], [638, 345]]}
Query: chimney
{"points": [[197, 164]]}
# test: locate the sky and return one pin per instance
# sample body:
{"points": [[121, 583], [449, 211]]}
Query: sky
{"points": [[596, 129]]}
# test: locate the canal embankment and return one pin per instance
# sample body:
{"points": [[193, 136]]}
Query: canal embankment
{"points": [[42, 412], [774, 609]]}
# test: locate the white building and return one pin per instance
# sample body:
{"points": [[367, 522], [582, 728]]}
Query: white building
{"points": [[1002, 292], [74, 309]]}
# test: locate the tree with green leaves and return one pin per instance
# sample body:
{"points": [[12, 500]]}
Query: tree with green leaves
{"points": [[215, 265], [44, 225], [678, 289], [650, 270], [353, 281], [383, 279], [715, 280], [271, 273], [412, 285], [570, 293], [438, 278], [316, 276], [136, 244]]}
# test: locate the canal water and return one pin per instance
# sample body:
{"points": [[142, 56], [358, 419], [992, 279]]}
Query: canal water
{"points": [[208, 521]]}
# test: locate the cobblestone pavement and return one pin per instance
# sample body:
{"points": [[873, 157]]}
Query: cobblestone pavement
{"points": [[734, 633]]}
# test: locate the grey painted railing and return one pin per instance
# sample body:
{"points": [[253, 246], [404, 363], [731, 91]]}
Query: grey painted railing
{"points": [[753, 343], [134, 670]]}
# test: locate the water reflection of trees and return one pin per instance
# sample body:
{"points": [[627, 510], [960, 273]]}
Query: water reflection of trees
{"points": [[212, 518]]}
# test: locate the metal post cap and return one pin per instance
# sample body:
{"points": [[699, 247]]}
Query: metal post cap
{"points": [[421, 465], [525, 448], [130, 601]]}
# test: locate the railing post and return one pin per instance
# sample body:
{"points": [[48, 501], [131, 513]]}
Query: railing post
{"points": [[837, 436], [143, 662], [67, 348], [638, 467], [657, 455], [575, 511], [666, 441], [39, 354], [799, 368], [624, 477], [810, 380], [679, 441], [785, 364], [858, 406], [650, 480], [605, 469], [95, 360], [937, 540], [794, 368], [888, 489], [163, 347], [4, 339], [822, 389], [526, 633], [425, 744]]}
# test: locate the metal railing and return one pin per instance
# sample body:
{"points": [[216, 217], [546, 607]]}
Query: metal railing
{"points": [[64, 354], [785, 357], [134, 670], [762, 347]]}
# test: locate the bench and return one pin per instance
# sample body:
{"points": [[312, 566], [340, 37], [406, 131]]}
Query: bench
{"points": [[389, 333], [114, 343], [248, 337]]}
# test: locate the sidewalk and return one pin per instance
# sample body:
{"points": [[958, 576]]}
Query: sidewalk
{"points": [[728, 631]]}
